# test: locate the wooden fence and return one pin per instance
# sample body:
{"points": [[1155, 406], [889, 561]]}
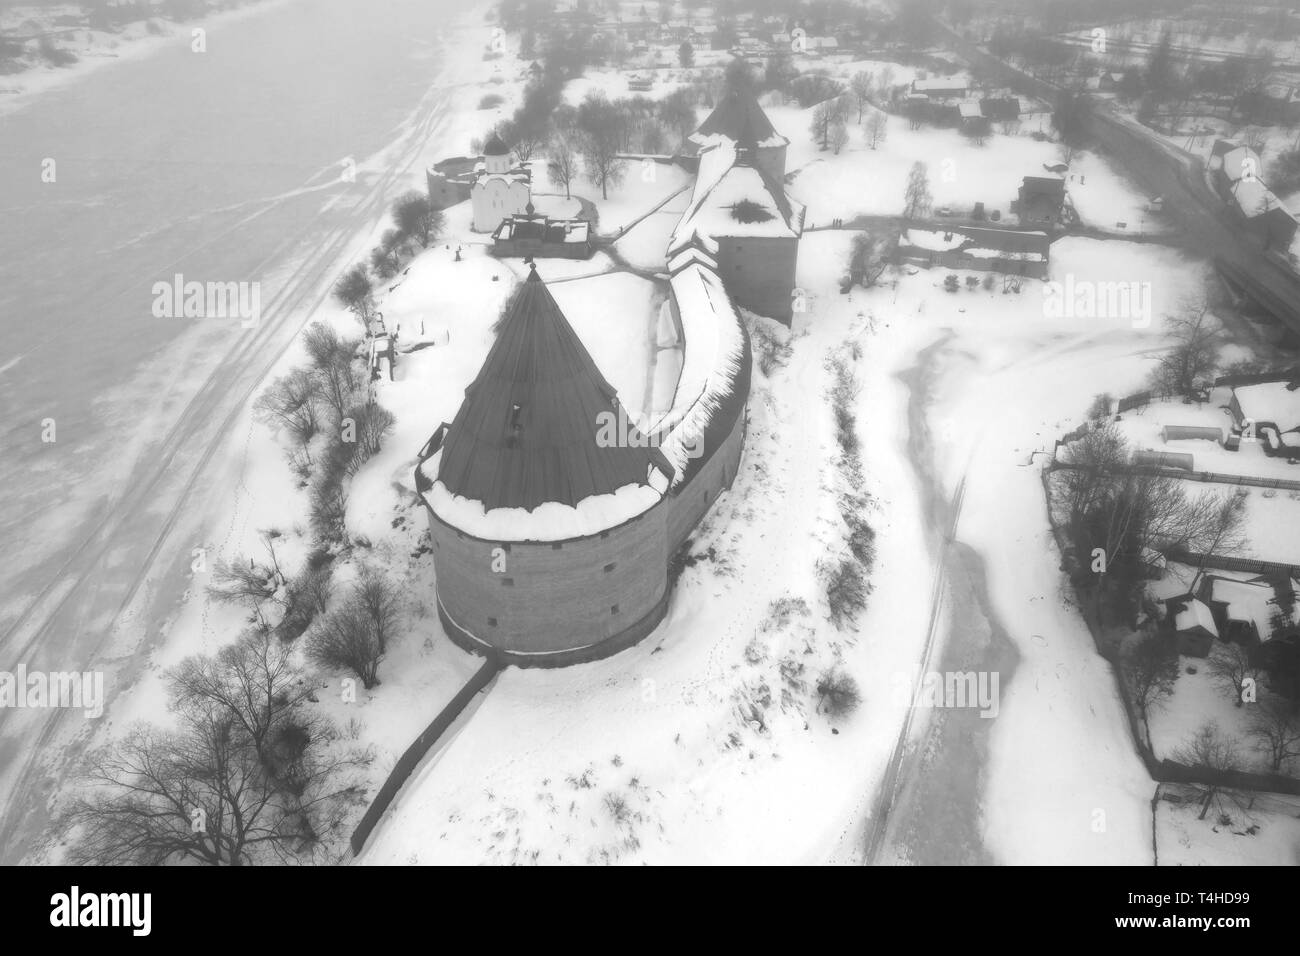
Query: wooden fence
{"points": [[1227, 563], [416, 752], [1208, 477]]}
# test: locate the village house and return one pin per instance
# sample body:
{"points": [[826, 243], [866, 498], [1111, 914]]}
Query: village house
{"points": [[938, 87], [536, 236], [1250, 612], [1236, 172], [1269, 412], [1192, 625], [1041, 199], [501, 189]]}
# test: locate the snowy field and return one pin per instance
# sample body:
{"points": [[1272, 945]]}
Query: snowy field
{"points": [[706, 742]]}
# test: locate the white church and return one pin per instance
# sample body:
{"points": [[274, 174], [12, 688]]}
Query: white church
{"points": [[501, 189]]}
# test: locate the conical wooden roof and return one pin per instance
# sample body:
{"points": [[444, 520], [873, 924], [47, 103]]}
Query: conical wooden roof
{"points": [[526, 433], [740, 119]]}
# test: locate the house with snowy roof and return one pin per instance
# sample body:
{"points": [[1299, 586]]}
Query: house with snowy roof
{"points": [[1236, 172], [941, 87], [1270, 412], [1192, 624], [1252, 611], [501, 188]]}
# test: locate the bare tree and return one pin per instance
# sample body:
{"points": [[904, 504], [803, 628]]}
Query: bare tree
{"points": [[1150, 668], [861, 87], [603, 130], [380, 599], [247, 776], [877, 128], [291, 402], [371, 424], [1276, 729], [870, 255], [837, 693], [1210, 749], [1220, 529], [839, 137], [252, 680], [917, 199], [251, 584], [346, 640], [355, 291], [416, 217], [337, 374], [1194, 355], [525, 139], [387, 257], [1097, 453], [827, 116], [563, 164], [1232, 669]]}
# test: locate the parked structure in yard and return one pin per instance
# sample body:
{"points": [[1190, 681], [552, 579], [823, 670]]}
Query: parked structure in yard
{"points": [[1041, 199], [540, 237], [1192, 624], [1007, 251], [501, 189]]}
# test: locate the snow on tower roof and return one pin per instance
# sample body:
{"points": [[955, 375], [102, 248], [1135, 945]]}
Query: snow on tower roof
{"points": [[527, 432], [736, 116], [734, 198]]}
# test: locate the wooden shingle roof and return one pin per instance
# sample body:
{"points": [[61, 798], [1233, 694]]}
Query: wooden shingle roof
{"points": [[526, 433]]}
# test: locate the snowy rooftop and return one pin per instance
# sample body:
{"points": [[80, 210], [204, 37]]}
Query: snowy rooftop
{"points": [[1195, 613], [1247, 601], [732, 198], [1270, 402]]}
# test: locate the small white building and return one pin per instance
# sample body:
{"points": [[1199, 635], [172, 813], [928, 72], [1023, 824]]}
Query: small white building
{"points": [[501, 189]]}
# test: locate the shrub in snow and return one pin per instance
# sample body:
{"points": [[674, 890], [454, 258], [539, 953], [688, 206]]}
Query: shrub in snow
{"points": [[346, 640], [773, 352], [846, 591], [862, 539], [837, 693]]}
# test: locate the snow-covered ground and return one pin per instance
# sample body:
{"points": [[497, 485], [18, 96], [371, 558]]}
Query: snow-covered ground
{"points": [[1259, 830], [706, 742]]}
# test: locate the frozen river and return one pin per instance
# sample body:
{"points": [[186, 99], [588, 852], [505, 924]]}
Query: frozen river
{"points": [[233, 165]]}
